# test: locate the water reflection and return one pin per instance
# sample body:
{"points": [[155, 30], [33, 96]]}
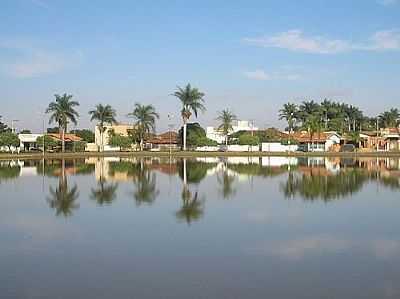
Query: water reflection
{"points": [[145, 183], [104, 193], [63, 198]]}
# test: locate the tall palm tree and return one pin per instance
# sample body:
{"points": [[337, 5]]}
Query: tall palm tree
{"points": [[145, 117], [226, 117], [62, 112], [192, 102], [104, 115], [288, 113]]}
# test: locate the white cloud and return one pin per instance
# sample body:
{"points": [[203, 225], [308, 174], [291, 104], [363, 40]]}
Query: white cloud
{"points": [[257, 75], [28, 61], [296, 40], [261, 75]]}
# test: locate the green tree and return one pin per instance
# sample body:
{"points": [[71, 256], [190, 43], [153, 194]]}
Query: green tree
{"points": [[9, 140], [62, 112], [192, 101], [49, 143], [226, 118], [313, 125], [196, 136], [248, 139], [288, 113], [123, 142], [390, 118], [103, 114], [3, 127], [25, 131], [145, 120], [85, 134]]}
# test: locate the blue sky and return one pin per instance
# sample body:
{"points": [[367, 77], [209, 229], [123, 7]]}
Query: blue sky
{"points": [[249, 56]]}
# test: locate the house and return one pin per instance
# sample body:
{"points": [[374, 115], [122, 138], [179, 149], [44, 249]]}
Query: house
{"points": [[69, 139], [387, 139], [317, 142], [28, 142], [164, 141], [240, 125], [102, 140]]}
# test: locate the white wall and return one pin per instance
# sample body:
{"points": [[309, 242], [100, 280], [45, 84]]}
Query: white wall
{"points": [[243, 148], [277, 147], [207, 148]]}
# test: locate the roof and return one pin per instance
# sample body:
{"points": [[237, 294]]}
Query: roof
{"points": [[67, 137], [305, 136], [165, 138]]}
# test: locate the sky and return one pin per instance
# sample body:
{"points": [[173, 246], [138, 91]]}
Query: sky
{"points": [[248, 56]]}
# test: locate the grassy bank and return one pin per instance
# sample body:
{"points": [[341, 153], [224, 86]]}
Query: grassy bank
{"points": [[180, 154]]}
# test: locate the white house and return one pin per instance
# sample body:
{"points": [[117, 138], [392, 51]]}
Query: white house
{"points": [[240, 125], [29, 141]]}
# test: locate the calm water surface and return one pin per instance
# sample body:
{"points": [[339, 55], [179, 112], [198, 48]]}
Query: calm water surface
{"points": [[200, 228]]}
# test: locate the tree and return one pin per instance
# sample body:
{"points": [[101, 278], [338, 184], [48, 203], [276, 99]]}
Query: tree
{"points": [[3, 127], [196, 136], [390, 118], [9, 140], [123, 142], [49, 143], [226, 117], [145, 187], [192, 101], [62, 112], [55, 130], [25, 131], [248, 139], [313, 125], [85, 134], [288, 113], [145, 120], [104, 115]]}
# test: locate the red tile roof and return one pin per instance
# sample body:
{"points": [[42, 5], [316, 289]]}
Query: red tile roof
{"points": [[165, 138], [67, 137]]}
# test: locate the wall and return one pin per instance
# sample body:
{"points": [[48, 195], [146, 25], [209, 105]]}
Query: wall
{"points": [[277, 147], [243, 148]]}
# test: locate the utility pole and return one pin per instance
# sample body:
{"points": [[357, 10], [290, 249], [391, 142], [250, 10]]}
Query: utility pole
{"points": [[12, 125], [170, 126]]}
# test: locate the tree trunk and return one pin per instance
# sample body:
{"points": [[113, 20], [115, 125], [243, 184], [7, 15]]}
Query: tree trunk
{"points": [[63, 140], [141, 144], [184, 134], [226, 140]]}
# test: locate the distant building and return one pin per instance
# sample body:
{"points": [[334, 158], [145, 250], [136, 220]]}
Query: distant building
{"points": [[28, 142], [240, 125], [164, 141], [122, 129], [318, 142]]}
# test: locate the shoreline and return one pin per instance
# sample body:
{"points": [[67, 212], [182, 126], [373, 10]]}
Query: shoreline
{"points": [[191, 154]]}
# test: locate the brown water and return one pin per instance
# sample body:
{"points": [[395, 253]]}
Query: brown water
{"points": [[200, 228]]}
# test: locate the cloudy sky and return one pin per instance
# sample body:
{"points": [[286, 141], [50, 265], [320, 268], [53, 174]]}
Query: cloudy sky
{"points": [[249, 56]]}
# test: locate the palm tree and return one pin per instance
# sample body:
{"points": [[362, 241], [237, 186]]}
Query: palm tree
{"points": [[313, 125], [62, 112], [104, 194], [226, 117], [390, 118], [192, 102], [288, 113], [145, 117], [104, 115]]}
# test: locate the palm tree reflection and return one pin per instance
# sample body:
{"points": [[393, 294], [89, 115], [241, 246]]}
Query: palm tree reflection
{"points": [[146, 190], [226, 181], [105, 193], [192, 208], [63, 199]]}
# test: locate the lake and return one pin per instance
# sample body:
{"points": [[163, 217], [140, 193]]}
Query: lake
{"points": [[270, 227]]}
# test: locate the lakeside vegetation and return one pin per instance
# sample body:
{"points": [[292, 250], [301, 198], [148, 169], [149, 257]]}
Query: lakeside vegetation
{"points": [[309, 115]]}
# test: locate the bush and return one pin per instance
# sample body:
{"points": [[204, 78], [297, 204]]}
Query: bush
{"points": [[247, 139]]}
